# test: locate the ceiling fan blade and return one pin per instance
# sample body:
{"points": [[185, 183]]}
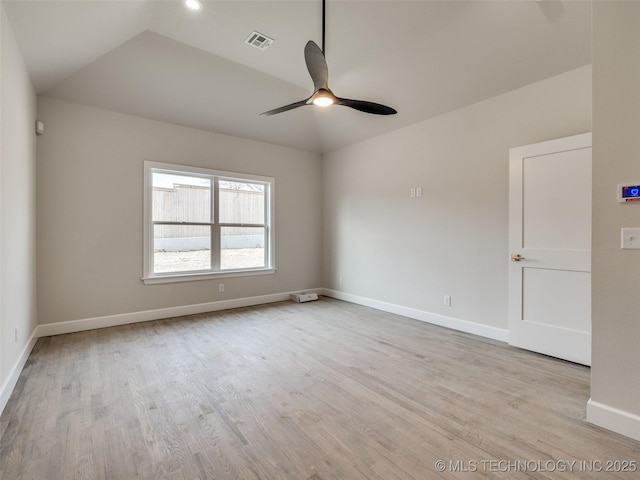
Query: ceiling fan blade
{"points": [[291, 106], [367, 107], [317, 65]]}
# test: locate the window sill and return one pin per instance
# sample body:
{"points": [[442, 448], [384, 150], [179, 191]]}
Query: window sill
{"points": [[193, 277]]}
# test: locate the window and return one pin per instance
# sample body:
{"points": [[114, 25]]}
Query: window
{"points": [[203, 223]]}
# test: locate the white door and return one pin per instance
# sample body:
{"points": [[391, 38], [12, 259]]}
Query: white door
{"points": [[550, 246]]}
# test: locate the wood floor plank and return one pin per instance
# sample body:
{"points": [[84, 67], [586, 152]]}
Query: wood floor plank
{"points": [[320, 391]]}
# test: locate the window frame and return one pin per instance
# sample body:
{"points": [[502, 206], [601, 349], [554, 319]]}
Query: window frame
{"points": [[149, 277]]}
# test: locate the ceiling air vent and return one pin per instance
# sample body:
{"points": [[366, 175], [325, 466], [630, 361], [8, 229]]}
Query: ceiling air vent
{"points": [[258, 40]]}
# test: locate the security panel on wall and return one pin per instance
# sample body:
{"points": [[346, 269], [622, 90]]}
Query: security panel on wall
{"points": [[628, 193]]}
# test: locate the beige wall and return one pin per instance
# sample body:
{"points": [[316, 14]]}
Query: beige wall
{"points": [[454, 240], [90, 190], [616, 159], [17, 207]]}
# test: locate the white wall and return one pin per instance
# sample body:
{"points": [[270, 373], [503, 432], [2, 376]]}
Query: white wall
{"points": [[410, 252], [615, 376], [17, 211], [90, 184]]}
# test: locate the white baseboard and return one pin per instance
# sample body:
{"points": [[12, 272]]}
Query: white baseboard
{"points": [[12, 379], [487, 331], [48, 329], [613, 419]]}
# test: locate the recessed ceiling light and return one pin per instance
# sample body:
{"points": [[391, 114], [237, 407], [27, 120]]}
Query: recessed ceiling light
{"points": [[194, 5]]}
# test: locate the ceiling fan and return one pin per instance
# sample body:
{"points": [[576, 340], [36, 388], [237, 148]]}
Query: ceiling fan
{"points": [[322, 95]]}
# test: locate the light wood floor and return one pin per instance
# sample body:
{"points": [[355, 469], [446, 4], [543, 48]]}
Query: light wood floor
{"points": [[317, 391]]}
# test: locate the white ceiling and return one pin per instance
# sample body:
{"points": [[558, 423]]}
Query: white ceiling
{"points": [[158, 60]]}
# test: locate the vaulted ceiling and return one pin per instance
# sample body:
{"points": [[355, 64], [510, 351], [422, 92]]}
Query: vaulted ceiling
{"points": [[158, 60]]}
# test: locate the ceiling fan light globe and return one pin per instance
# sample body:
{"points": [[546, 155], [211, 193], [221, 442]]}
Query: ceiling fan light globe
{"points": [[194, 5], [323, 101], [323, 98]]}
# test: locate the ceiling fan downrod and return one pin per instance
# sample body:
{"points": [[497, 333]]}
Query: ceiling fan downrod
{"points": [[323, 25]]}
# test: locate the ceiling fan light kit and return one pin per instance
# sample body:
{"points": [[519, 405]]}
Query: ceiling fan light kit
{"points": [[194, 5], [322, 95], [323, 98]]}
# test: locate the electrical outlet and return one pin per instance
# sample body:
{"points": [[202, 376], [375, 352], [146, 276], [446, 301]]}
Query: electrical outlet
{"points": [[413, 193], [221, 288], [447, 300], [419, 192]]}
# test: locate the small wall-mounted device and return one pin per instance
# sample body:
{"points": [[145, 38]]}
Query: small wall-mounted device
{"points": [[303, 297], [39, 128], [628, 193]]}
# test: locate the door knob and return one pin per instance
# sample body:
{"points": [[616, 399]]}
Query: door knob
{"points": [[516, 257]]}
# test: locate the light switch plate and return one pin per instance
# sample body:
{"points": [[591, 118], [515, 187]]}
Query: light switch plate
{"points": [[631, 239]]}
